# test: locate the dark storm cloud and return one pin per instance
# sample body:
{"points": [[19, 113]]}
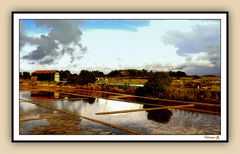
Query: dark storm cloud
{"points": [[64, 31], [47, 60], [46, 47], [192, 68], [194, 41], [70, 50], [188, 58], [63, 34], [202, 38], [214, 54], [181, 67], [83, 48], [23, 38], [198, 69]]}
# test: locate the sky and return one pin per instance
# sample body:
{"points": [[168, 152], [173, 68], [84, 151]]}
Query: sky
{"points": [[192, 46]]}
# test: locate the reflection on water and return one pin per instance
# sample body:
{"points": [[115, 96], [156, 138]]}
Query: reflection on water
{"points": [[47, 121], [168, 121], [91, 100], [162, 116], [84, 107], [24, 107]]}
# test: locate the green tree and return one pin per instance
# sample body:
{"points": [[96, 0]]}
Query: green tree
{"points": [[177, 74], [26, 75], [86, 77], [114, 73], [73, 79], [98, 74], [64, 75], [155, 85]]}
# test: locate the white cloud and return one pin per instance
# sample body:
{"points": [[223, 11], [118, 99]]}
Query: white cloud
{"points": [[133, 48], [201, 45], [187, 45]]}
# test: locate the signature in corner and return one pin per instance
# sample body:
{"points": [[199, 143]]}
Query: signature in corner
{"points": [[212, 137]]}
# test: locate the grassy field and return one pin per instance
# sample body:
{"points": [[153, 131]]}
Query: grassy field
{"points": [[202, 89], [121, 80]]}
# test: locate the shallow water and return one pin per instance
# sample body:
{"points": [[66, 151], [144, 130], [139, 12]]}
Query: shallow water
{"points": [[169, 121]]}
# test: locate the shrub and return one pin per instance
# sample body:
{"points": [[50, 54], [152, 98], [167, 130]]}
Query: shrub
{"points": [[155, 85], [86, 77]]}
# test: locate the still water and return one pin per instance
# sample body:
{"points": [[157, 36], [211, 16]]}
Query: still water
{"points": [[38, 120]]}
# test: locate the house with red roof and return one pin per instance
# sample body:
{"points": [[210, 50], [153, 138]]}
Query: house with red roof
{"points": [[45, 75]]}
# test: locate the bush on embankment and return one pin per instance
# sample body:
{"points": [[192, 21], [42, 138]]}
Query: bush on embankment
{"points": [[156, 85]]}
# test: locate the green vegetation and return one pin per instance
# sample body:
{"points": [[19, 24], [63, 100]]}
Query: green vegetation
{"points": [[129, 73], [24, 75], [85, 77], [155, 85], [64, 75], [177, 74], [203, 89], [169, 85]]}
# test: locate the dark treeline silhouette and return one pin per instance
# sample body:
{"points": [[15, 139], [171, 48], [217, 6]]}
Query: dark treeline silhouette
{"points": [[156, 84], [129, 73], [24, 75], [141, 73], [85, 76], [177, 74]]}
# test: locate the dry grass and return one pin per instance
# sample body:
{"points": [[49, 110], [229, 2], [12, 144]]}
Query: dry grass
{"points": [[122, 80], [203, 89]]}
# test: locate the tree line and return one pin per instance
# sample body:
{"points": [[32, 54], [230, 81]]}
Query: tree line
{"points": [[85, 76]]}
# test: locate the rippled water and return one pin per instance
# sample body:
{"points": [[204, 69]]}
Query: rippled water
{"points": [[170, 121]]}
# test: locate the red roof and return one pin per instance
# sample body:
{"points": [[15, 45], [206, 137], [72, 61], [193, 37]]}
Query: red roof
{"points": [[44, 72]]}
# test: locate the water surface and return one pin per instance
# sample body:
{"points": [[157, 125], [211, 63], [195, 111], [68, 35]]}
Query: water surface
{"points": [[169, 121]]}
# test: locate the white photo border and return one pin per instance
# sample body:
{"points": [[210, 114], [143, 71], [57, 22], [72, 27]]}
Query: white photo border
{"points": [[221, 15]]}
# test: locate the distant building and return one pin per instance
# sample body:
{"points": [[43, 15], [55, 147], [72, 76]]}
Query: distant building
{"points": [[45, 75]]}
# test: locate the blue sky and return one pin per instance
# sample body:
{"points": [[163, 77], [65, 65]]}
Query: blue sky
{"points": [[32, 29], [129, 25], [192, 46]]}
